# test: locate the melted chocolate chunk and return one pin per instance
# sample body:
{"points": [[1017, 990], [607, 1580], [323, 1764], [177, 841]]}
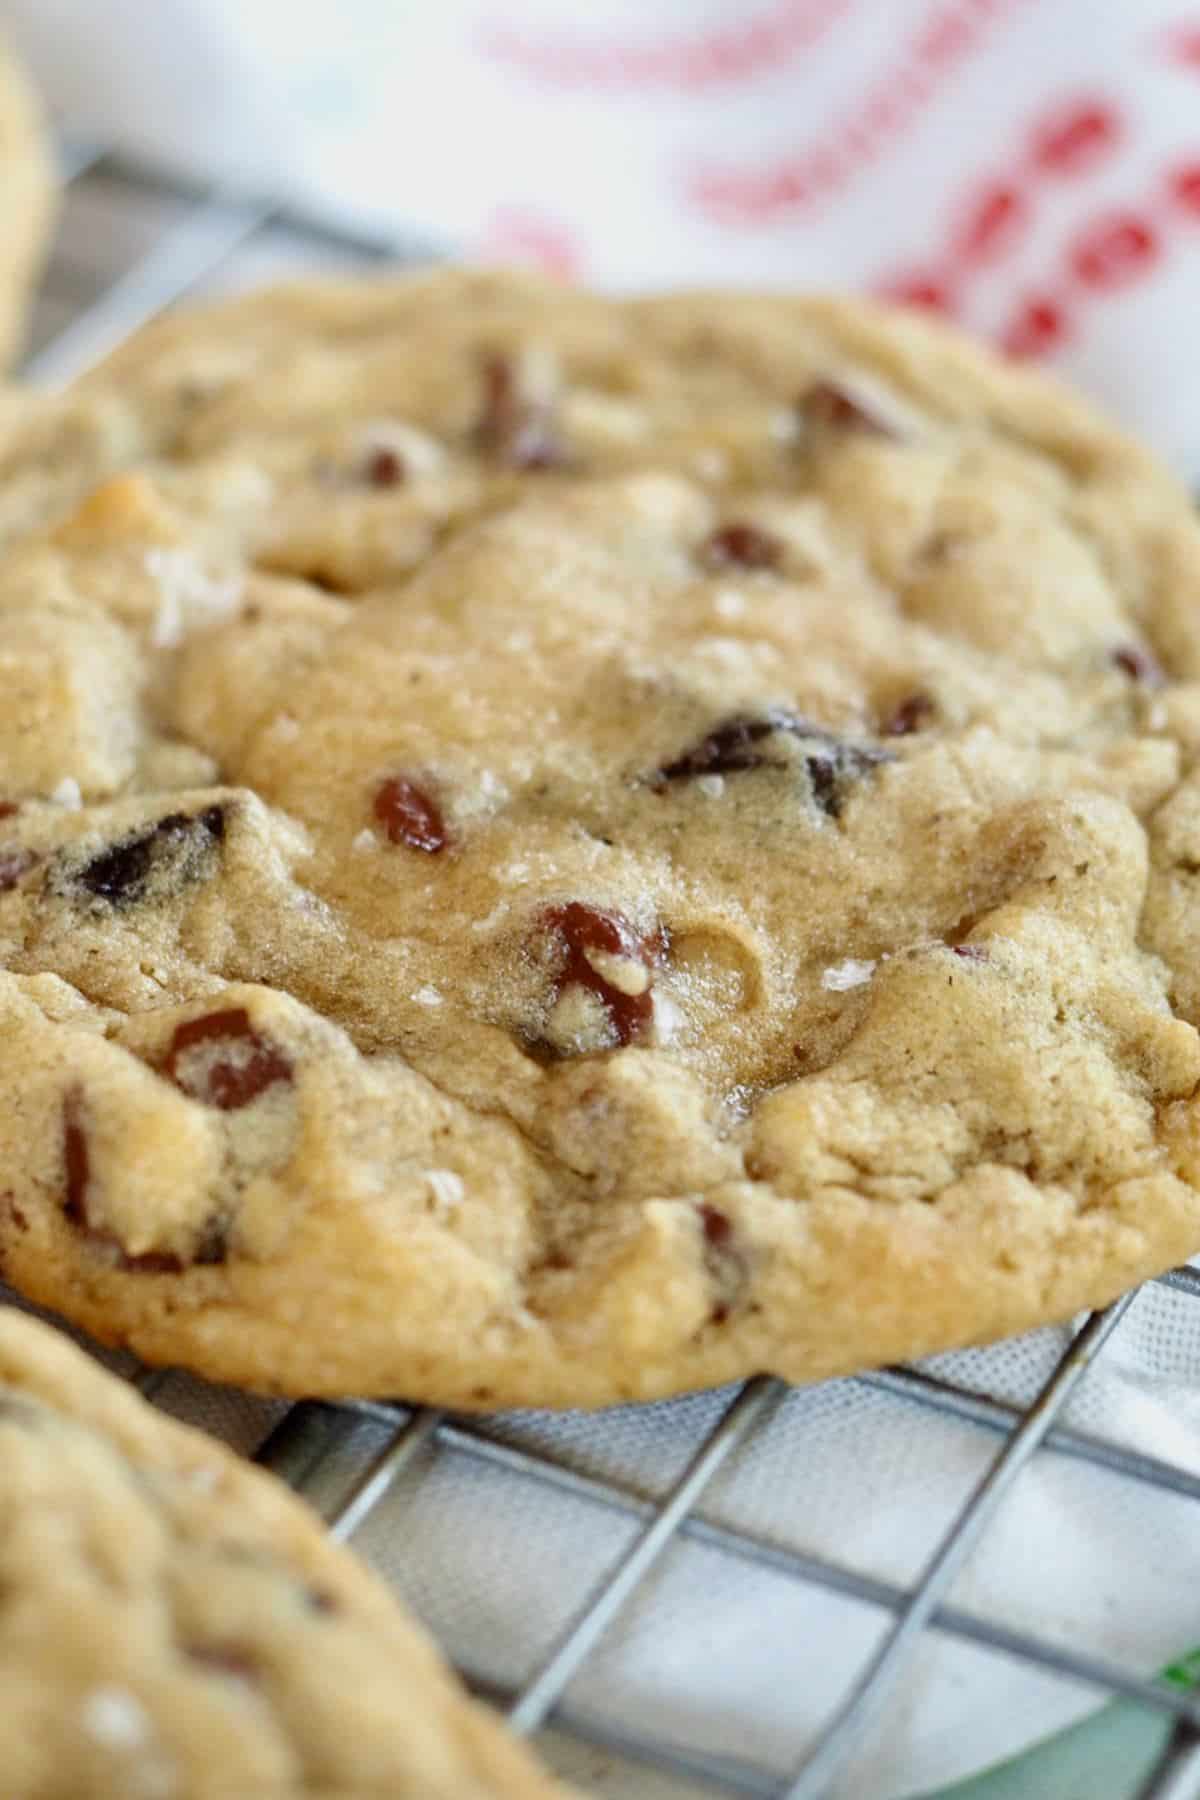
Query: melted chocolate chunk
{"points": [[15, 862], [734, 747], [8, 808], [385, 468], [223, 1061], [728, 749], [743, 546], [517, 427], [75, 1161], [410, 815], [121, 875], [909, 716], [578, 929], [225, 1659], [723, 1263], [1139, 664], [829, 406]]}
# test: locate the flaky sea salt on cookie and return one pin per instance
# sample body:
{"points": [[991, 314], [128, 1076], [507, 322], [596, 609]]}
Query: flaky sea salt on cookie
{"points": [[563, 909]]}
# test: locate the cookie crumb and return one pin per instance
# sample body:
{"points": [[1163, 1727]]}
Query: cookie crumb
{"points": [[849, 974], [114, 1718]]}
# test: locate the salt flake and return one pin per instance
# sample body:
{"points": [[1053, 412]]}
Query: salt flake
{"points": [[447, 1189], [848, 974], [67, 794], [114, 1718]]}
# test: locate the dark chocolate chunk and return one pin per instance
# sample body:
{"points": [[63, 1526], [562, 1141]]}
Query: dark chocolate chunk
{"points": [[385, 468], [743, 546], [225, 1659], [76, 1165], [222, 1060], [15, 862], [723, 1261], [909, 715], [122, 874], [734, 746], [1139, 664], [410, 815], [577, 928]]}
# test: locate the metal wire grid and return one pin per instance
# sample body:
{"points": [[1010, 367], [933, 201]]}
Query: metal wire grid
{"points": [[147, 239]]}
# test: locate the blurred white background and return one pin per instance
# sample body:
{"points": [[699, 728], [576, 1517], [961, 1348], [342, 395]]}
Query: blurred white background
{"points": [[1029, 166]]}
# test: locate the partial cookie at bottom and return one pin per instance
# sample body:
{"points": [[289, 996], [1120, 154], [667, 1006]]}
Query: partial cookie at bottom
{"points": [[175, 1626]]}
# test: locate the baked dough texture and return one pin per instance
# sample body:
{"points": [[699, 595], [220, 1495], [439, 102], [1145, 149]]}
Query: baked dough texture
{"points": [[563, 850], [176, 1626]]}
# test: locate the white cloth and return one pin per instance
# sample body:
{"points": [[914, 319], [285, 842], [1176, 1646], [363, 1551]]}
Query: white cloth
{"points": [[1038, 166], [1035, 163]]}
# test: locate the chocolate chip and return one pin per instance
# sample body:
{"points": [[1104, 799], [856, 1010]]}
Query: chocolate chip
{"points": [[577, 929], [385, 468], [410, 815], [732, 748], [728, 749], [716, 1226], [76, 1164], [172, 845], [909, 716], [828, 406], [1139, 664], [516, 425], [225, 1659], [9, 808], [18, 1215], [154, 1262], [723, 1262], [15, 862], [742, 545], [221, 1060]]}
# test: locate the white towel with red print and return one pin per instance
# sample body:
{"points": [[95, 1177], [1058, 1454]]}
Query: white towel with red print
{"points": [[1030, 167]]}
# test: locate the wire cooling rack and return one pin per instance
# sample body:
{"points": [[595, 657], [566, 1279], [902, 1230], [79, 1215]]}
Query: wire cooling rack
{"points": [[133, 241]]}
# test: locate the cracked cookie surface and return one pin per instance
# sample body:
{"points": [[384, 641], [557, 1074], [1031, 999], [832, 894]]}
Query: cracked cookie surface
{"points": [[562, 850], [176, 1626]]}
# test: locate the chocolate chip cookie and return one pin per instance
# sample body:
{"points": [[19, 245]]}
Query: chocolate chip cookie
{"points": [[561, 850], [176, 1624]]}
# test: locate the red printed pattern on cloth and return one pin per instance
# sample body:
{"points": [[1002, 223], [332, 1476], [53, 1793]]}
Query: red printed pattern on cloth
{"points": [[751, 47]]}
